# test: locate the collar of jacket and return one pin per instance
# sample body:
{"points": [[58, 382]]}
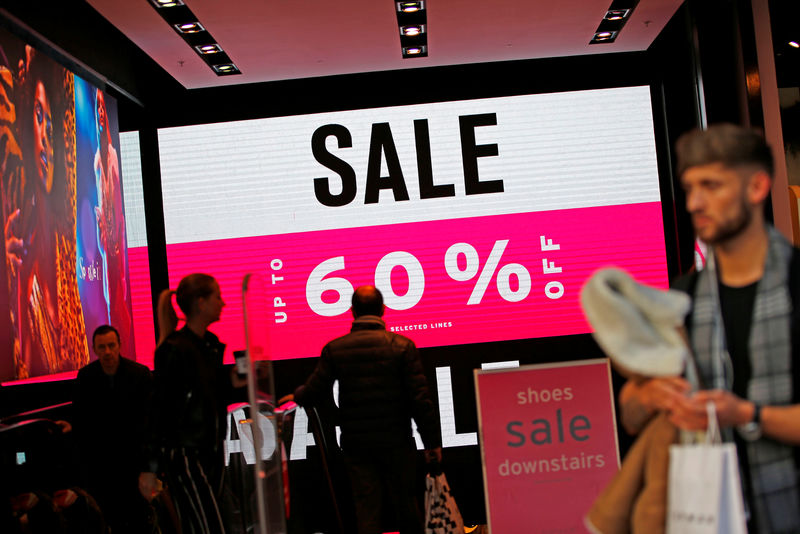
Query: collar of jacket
{"points": [[368, 322]]}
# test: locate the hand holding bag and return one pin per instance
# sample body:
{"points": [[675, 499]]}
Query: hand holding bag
{"points": [[705, 493], [441, 513]]}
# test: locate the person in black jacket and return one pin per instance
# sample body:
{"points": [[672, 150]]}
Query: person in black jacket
{"points": [[112, 402], [191, 390], [381, 388]]}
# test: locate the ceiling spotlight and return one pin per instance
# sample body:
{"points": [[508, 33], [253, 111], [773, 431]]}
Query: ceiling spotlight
{"points": [[225, 69], [209, 49], [617, 14], [410, 7], [415, 51], [412, 31], [189, 27], [166, 3], [603, 37], [794, 44]]}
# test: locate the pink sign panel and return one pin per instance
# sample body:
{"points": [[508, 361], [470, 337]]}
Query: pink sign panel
{"points": [[444, 282], [548, 442], [141, 305]]}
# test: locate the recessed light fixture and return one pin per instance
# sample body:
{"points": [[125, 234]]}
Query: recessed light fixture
{"points": [[166, 3], [603, 37], [194, 34], [208, 49], [412, 22], [617, 14], [225, 69], [412, 31], [410, 7], [614, 19], [794, 44], [415, 51], [189, 27]]}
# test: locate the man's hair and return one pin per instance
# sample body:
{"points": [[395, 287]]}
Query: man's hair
{"points": [[367, 301], [105, 329], [728, 144]]}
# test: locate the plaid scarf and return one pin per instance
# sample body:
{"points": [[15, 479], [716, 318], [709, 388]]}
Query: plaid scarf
{"points": [[771, 464]]}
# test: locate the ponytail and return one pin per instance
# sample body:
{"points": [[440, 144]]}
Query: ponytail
{"points": [[167, 317], [191, 288]]}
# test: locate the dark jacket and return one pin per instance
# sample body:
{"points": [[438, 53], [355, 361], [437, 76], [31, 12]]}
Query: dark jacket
{"points": [[381, 387], [191, 392], [110, 415]]}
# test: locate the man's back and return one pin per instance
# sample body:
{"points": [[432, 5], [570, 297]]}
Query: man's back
{"points": [[381, 386]]}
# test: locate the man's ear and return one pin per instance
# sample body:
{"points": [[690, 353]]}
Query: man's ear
{"points": [[758, 187]]}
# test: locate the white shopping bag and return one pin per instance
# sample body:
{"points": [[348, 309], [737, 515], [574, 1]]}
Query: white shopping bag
{"points": [[441, 513], [704, 494]]}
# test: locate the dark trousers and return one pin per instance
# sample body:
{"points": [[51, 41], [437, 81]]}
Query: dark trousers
{"points": [[193, 486], [380, 475]]}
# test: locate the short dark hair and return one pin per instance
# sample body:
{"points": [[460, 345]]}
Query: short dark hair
{"points": [[728, 144], [105, 329], [367, 300]]}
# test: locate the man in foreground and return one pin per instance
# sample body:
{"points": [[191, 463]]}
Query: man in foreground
{"points": [[742, 326]]}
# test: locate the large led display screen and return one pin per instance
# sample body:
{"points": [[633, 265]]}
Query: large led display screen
{"points": [[138, 254], [65, 260], [479, 220]]}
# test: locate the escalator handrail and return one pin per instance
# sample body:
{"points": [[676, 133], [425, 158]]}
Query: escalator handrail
{"points": [[25, 415]]}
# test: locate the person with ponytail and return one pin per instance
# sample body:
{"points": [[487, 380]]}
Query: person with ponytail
{"points": [[192, 390]]}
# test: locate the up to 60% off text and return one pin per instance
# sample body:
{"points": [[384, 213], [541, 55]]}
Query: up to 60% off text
{"points": [[321, 279]]}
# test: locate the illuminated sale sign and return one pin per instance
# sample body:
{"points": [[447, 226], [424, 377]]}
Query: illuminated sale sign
{"points": [[548, 442], [478, 220]]}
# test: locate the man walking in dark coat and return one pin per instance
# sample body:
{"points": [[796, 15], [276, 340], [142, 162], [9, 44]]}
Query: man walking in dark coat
{"points": [[381, 388]]}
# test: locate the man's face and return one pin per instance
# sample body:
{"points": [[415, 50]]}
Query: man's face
{"points": [[716, 198], [106, 347], [43, 137]]}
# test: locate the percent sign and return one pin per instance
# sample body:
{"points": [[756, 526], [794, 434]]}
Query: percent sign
{"points": [[472, 264]]}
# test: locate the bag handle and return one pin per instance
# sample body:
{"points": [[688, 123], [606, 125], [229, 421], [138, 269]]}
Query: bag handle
{"points": [[713, 436]]}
